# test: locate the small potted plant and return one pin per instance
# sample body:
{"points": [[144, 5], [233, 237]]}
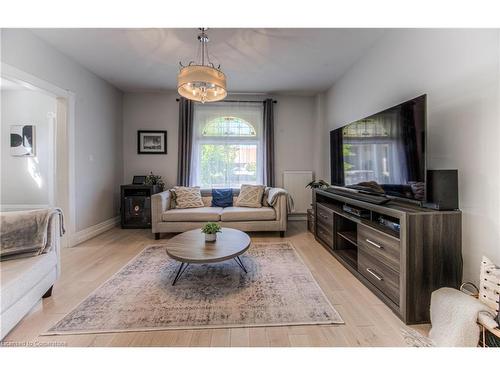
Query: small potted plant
{"points": [[211, 230], [320, 184], [154, 179]]}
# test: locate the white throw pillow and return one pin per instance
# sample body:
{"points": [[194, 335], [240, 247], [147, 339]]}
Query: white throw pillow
{"points": [[250, 196]]}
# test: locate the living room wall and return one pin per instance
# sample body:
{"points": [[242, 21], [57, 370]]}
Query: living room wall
{"points": [[98, 117], [150, 111], [294, 133], [459, 70]]}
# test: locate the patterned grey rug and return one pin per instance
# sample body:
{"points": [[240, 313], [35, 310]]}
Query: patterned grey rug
{"points": [[278, 290]]}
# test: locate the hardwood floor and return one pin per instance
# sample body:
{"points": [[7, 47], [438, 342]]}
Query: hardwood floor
{"points": [[368, 322]]}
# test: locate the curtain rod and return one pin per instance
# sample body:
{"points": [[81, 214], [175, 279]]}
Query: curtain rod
{"points": [[239, 101]]}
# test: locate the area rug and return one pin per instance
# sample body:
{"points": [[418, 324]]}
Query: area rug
{"points": [[277, 290], [416, 339]]}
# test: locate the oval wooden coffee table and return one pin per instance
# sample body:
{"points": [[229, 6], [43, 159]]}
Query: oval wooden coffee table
{"points": [[190, 247]]}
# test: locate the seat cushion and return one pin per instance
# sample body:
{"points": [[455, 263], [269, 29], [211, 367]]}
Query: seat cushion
{"points": [[248, 214], [18, 276], [193, 214]]}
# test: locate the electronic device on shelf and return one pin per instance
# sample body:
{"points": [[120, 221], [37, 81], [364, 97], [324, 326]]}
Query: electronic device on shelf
{"points": [[392, 225], [375, 199], [442, 189], [359, 212], [139, 180]]}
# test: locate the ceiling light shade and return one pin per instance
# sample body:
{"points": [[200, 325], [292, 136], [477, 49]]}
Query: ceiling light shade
{"points": [[202, 82]]}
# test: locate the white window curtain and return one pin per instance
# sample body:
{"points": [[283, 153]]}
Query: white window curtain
{"points": [[227, 144]]}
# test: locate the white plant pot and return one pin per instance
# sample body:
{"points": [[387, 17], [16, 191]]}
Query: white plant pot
{"points": [[210, 237]]}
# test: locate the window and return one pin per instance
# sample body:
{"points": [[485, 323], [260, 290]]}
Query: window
{"points": [[227, 145]]}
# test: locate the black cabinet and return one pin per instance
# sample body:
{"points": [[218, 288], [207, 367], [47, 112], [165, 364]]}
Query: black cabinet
{"points": [[136, 205]]}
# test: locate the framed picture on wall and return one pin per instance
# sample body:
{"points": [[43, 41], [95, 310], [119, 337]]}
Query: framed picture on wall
{"points": [[22, 140], [151, 142]]}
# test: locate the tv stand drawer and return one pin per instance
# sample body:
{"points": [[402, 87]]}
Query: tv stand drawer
{"points": [[325, 233], [379, 274], [324, 215], [381, 246]]}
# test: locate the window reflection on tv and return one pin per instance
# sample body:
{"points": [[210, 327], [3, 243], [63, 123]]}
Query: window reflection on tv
{"points": [[383, 153]]}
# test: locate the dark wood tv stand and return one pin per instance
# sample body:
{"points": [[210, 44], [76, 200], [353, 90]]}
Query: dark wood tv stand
{"points": [[401, 267]]}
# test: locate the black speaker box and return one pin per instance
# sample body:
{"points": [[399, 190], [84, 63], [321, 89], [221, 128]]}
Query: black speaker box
{"points": [[442, 189]]}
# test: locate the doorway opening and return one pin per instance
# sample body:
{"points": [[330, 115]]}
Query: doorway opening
{"points": [[37, 167]]}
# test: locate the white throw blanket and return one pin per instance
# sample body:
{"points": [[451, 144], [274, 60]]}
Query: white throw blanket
{"points": [[275, 193], [454, 315]]}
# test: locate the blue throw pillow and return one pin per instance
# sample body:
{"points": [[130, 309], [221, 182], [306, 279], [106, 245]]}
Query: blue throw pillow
{"points": [[222, 197]]}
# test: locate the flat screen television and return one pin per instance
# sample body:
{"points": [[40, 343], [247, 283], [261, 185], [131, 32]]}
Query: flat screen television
{"points": [[383, 153]]}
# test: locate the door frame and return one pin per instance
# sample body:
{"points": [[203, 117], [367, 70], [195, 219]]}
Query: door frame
{"points": [[64, 184]]}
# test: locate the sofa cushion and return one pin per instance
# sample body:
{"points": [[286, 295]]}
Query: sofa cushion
{"points": [[247, 214], [187, 197], [18, 276], [222, 197], [207, 201], [193, 214], [250, 196]]}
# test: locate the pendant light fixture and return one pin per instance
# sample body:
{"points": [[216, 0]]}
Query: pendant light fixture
{"points": [[202, 82]]}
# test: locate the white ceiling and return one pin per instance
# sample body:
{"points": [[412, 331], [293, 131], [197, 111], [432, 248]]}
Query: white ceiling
{"points": [[254, 60]]}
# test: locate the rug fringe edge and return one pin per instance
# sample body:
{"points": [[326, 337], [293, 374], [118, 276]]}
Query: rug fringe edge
{"points": [[180, 328]]}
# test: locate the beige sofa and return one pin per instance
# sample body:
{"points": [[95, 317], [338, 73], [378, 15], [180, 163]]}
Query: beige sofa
{"points": [[25, 281], [168, 220]]}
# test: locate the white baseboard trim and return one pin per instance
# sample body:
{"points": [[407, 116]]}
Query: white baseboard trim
{"points": [[22, 207], [297, 217], [94, 230]]}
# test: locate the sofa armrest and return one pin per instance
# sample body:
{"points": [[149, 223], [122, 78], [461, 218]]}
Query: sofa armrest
{"points": [[281, 211], [54, 238], [159, 204]]}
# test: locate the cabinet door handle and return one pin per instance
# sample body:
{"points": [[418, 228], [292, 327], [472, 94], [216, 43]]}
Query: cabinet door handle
{"points": [[374, 274], [374, 243]]}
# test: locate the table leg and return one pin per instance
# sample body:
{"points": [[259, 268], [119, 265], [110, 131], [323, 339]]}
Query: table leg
{"points": [[180, 271], [240, 263]]}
